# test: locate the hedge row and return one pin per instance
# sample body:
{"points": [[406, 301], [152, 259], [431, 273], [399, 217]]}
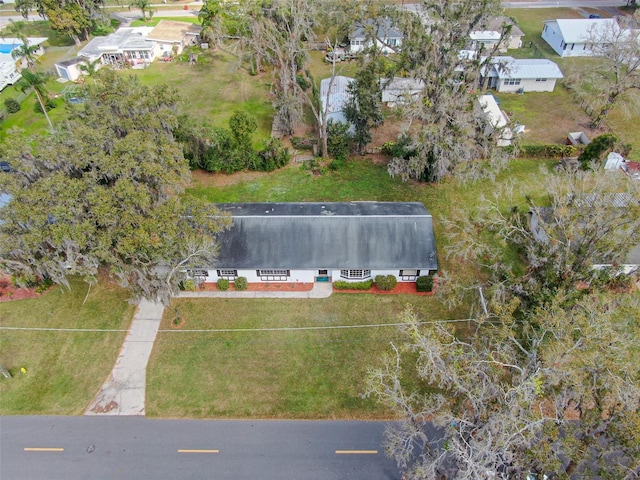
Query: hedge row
{"points": [[549, 150], [342, 285]]}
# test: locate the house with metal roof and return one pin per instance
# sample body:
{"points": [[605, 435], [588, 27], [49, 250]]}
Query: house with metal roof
{"points": [[334, 94], [574, 37], [399, 90], [508, 74], [309, 242]]}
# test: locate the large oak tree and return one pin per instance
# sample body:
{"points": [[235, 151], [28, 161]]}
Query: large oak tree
{"points": [[102, 192]]}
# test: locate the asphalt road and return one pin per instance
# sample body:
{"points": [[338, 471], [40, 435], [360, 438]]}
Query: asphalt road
{"points": [[50, 448]]}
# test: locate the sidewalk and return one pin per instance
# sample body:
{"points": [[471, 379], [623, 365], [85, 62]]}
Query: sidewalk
{"points": [[123, 393]]}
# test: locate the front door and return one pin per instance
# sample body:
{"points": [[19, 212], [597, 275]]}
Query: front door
{"points": [[323, 276]]}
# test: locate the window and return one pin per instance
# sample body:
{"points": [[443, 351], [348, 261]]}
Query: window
{"points": [[273, 275], [355, 274], [541, 79], [409, 274], [228, 274], [512, 81]]}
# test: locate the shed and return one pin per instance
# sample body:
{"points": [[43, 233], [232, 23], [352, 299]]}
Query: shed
{"points": [[335, 95]]}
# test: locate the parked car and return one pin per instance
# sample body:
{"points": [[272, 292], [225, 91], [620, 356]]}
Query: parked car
{"points": [[4, 166]]}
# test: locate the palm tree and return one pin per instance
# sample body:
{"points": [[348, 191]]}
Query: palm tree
{"points": [[144, 6], [24, 51], [90, 68], [37, 82]]}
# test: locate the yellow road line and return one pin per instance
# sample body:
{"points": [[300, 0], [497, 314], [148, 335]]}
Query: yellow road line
{"points": [[43, 449], [356, 452], [198, 451]]}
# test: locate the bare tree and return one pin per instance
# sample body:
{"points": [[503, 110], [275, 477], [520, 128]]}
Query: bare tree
{"points": [[501, 400], [615, 80]]}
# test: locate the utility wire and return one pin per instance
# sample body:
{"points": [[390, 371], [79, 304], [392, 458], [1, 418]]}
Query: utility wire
{"points": [[234, 330]]}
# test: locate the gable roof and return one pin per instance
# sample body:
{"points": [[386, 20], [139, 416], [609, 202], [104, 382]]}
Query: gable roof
{"points": [[353, 235], [384, 29], [509, 67], [173, 31], [578, 30], [495, 24]]}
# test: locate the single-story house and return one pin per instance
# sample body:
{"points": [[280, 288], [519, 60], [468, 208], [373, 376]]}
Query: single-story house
{"points": [[309, 242], [508, 74], [399, 90], [172, 36], [495, 119], [8, 72], [334, 95], [491, 34], [388, 39], [573, 37], [616, 162], [10, 67], [134, 46]]}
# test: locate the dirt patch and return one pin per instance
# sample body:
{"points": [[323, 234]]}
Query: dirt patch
{"points": [[9, 292]]}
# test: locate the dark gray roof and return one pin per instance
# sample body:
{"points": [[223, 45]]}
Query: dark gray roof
{"points": [[384, 30], [354, 235]]}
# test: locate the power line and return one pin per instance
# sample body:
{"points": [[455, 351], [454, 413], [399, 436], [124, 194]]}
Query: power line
{"points": [[235, 330]]}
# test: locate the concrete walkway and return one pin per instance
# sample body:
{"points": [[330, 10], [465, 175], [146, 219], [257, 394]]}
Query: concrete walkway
{"points": [[123, 393]]}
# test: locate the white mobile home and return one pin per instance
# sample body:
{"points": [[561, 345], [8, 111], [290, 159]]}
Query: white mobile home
{"points": [[573, 37]]}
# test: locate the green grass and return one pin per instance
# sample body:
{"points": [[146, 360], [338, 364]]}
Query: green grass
{"points": [[357, 180], [154, 21], [274, 374], [42, 29], [64, 370]]}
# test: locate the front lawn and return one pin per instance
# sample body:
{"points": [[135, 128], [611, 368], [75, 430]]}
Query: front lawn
{"points": [[287, 373], [64, 369]]}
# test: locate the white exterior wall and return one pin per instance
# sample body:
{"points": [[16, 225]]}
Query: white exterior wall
{"points": [[72, 72], [359, 44], [309, 276], [528, 85], [514, 42], [551, 34]]}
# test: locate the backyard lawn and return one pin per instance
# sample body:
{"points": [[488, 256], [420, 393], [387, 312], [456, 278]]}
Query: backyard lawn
{"points": [[64, 369]]}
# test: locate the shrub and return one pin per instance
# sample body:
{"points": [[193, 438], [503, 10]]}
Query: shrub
{"points": [[241, 283], [386, 282], [338, 139], [49, 104], [189, 285], [596, 150], [424, 284], [12, 105], [223, 284], [342, 285], [301, 143], [548, 151]]}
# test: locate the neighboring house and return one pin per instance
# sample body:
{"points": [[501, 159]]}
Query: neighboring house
{"points": [[616, 162], [9, 66], [630, 264], [308, 242], [571, 37], [508, 74], [491, 33], [133, 46], [398, 90], [8, 72], [496, 120], [388, 39], [172, 36], [335, 98]]}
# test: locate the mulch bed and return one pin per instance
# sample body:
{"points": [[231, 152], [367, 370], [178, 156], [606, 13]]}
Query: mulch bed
{"points": [[400, 289], [9, 292]]}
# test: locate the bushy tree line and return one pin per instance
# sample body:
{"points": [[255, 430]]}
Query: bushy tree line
{"points": [[228, 150], [101, 193]]}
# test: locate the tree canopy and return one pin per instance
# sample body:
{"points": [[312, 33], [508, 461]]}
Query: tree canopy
{"points": [[102, 191]]}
